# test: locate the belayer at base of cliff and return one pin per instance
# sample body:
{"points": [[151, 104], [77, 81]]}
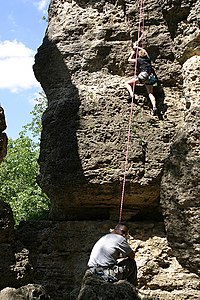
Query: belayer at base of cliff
{"points": [[112, 258]]}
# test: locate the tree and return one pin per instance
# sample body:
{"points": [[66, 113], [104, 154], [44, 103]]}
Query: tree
{"points": [[19, 170], [35, 126]]}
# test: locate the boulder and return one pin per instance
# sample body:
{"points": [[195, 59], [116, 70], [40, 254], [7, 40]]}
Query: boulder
{"points": [[93, 287], [27, 292]]}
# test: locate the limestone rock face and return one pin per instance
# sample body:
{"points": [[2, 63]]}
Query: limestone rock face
{"points": [[181, 204], [82, 66], [191, 82], [15, 265], [3, 136], [28, 292], [59, 252]]}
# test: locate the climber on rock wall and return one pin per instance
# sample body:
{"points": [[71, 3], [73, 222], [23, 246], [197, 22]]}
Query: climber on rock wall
{"points": [[112, 258], [146, 74]]}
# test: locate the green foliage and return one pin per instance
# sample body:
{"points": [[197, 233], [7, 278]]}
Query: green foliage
{"points": [[35, 126], [44, 18], [19, 170]]}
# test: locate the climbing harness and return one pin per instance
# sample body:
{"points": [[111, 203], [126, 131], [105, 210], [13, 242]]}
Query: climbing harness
{"points": [[140, 34]]}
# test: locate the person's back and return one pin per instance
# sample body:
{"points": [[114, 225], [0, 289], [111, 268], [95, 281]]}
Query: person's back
{"points": [[107, 250], [144, 64], [104, 260]]}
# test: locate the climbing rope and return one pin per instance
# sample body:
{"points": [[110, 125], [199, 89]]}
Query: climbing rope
{"points": [[142, 21], [140, 33]]}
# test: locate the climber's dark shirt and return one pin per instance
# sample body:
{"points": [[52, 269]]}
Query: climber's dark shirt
{"points": [[144, 64]]}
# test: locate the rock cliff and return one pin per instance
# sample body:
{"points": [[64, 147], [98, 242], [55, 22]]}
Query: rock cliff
{"points": [[82, 67], [180, 191], [3, 136], [59, 252]]}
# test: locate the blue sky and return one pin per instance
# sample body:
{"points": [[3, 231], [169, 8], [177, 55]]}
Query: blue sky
{"points": [[21, 32]]}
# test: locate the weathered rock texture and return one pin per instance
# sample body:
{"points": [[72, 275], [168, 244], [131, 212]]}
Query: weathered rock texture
{"points": [[93, 287], [82, 67], [16, 271], [85, 127], [3, 136], [181, 192], [59, 252], [28, 292], [15, 266]]}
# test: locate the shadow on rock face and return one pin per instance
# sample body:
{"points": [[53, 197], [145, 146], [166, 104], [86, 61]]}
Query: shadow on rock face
{"points": [[59, 157]]}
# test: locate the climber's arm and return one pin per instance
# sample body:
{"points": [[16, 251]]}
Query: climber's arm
{"points": [[135, 45], [131, 58]]}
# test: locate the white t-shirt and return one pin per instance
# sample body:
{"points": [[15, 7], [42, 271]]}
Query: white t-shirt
{"points": [[108, 249]]}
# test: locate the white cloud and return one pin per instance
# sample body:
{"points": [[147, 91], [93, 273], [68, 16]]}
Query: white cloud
{"points": [[16, 61], [42, 4]]}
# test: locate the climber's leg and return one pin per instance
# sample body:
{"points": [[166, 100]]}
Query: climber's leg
{"points": [[149, 89], [129, 85]]}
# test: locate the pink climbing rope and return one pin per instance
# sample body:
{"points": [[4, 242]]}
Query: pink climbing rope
{"points": [[140, 30]]}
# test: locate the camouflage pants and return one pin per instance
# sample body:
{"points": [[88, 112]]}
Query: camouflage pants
{"points": [[125, 269]]}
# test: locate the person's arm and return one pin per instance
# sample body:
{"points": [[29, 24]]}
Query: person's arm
{"points": [[131, 255], [125, 249], [131, 58], [135, 45]]}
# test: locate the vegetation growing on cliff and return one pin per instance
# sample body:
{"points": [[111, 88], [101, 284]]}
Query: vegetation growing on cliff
{"points": [[20, 169]]}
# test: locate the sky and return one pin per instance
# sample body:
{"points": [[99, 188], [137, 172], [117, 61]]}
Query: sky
{"points": [[22, 29]]}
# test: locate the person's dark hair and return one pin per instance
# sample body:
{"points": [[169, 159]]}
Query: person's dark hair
{"points": [[124, 223]]}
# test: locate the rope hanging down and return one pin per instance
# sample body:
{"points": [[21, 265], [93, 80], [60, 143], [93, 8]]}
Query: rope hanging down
{"points": [[140, 33]]}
